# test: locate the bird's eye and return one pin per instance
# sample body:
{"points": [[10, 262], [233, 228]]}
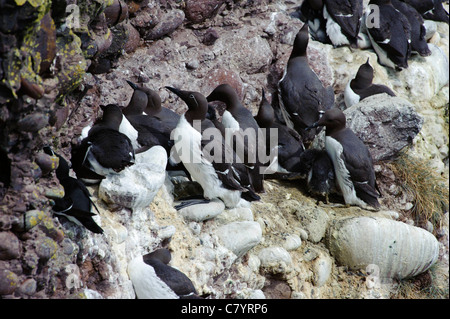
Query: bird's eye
{"points": [[191, 96]]}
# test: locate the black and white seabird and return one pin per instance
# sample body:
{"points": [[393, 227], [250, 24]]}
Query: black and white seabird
{"points": [[154, 278], [352, 161], [76, 204], [153, 106], [311, 12], [105, 150], [239, 120], [152, 122], [361, 86], [317, 168], [289, 144], [301, 93], [430, 9], [343, 21], [390, 34], [206, 156], [418, 30]]}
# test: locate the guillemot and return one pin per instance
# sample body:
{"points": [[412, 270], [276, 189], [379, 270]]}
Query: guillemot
{"points": [[390, 34], [210, 161], [361, 86], [239, 120], [352, 161], [317, 168], [289, 143], [301, 93], [418, 31], [104, 150], [430, 9], [76, 204], [153, 105], [311, 12], [343, 21], [154, 278]]}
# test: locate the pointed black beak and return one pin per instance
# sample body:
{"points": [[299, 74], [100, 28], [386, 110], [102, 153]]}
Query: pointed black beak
{"points": [[133, 86], [182, 94], [174, 90]]}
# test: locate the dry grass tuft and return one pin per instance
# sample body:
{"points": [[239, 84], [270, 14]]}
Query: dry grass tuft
{"points": [[429, 190]]}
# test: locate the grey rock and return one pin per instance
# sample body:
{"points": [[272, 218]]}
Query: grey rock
{"points": [[385, 124], [201, 212], [198, 11], [244, 50], [9, 282], [240, 237], [395, 249], [137, 185], [274, 256], [28, 287], [167, 25], [322, 267], [314, 222], [292, 242]]}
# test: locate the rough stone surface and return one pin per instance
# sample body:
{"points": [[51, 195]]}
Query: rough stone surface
{"points": [[240, 237], [199, 10], [9, 246], [138, 184], [54, 99], [397, 249], [385, 124], [202, 212]]}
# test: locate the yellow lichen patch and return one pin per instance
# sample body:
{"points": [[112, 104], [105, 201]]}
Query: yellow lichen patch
{"points": [[72, 63], [33, 217]]}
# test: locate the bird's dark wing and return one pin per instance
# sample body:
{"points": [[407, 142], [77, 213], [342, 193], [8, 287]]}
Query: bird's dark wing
{"points": [[175, 279], [347, 14]]}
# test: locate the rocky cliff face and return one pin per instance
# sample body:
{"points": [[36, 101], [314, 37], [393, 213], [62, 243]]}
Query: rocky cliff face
{"points": [[58, 66]]}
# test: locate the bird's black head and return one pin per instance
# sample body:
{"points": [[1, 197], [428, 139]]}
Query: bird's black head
{"points": [[301, 42], [333, 119], [195, 101], [364, 76], [224, 93], [266, 115], [138, 101]]}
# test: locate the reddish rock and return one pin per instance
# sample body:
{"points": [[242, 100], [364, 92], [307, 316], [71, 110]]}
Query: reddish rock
{"points": [[133, 38], [198, 11], [210, 37], [221, 75], [8, 282], [167, 25], [9, 246], [116, 12]]}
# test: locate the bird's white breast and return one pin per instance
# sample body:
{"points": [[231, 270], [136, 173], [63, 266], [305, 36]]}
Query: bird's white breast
{"points": [[350, 97], [335, 150], [128, 129], [147, 285], [334, 30]]}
